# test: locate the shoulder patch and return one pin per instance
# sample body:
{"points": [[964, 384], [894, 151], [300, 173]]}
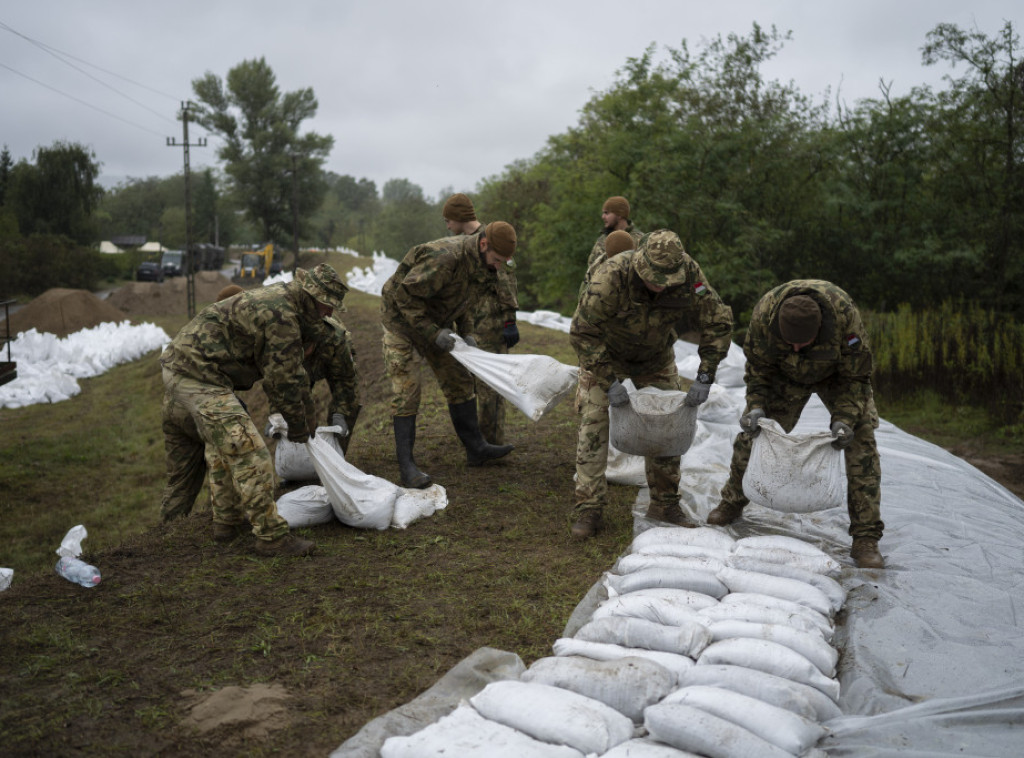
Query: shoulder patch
{"points": [[699, 288], [852, 340]]}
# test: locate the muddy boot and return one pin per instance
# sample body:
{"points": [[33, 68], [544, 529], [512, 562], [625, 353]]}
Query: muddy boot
{"points": [[405, 439], [478, 450], [586, 525], [288, 546], [671, 514], [865, 553], [724, 514], [227, 532]]}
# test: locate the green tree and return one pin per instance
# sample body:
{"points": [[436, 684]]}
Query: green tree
{"points": [[347, 214], [6, 164], [406, 218], [263, 150]]}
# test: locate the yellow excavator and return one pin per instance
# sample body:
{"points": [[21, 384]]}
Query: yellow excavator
{"points": [[254, 266]]}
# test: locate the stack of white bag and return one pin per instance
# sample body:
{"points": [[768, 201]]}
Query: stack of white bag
{"points": [[352, 496], [714, 646]]}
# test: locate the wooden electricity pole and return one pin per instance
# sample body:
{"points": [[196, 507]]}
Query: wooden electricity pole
{"points": [[190, 281]]}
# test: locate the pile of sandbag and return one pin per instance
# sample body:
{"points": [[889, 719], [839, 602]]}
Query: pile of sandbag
{"points": [[705, 646]]}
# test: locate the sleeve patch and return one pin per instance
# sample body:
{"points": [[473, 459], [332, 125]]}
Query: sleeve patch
{"points": [[699, 288], [852, 340]]}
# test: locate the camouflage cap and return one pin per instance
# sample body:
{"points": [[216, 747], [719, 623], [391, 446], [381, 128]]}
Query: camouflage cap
{"points": [[324, 285], [618, 242], [459, 208], [501, 236], [617, 205], [659, 258], [799, 319]]}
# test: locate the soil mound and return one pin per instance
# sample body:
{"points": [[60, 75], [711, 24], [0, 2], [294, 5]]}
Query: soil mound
{"points": [[168, 297], [64, 311]]}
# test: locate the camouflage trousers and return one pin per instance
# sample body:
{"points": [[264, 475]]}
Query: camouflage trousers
{"points": [[863, 468], [592, 445], [403, 362], [207, 424]]}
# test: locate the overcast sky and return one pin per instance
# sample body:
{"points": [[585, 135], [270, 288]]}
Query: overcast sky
{"points": [[443, 94]]}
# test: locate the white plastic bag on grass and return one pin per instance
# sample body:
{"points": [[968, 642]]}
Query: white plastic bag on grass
{"points": [[689, 728], [6, 576], [306, 506], [801, 699], [606, 651], [688, 639], [628, 684], [780, 727], [555, 715], [798, 473], [653, 423], [358, 499], [467, 734], [532, 383], [770, 657], [413, 504]]}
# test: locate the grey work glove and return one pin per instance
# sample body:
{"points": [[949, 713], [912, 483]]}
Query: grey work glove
{"points": [[470, 340], [617, 394], [338, 419], [842, 434], [748, 422], [699, 391], [445, 340]]}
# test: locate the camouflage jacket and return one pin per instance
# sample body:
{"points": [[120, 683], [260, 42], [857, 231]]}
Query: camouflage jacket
{"points": [[498, 306], [622, 329], [435, 286], [840, 354], [599, 256], [334, 361], [256, 335]]}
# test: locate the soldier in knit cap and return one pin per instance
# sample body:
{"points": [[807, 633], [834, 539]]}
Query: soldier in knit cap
{"points": [[634, 307], [806, 336], [424, 304], [615, 217], [255, 335], [493, 318]]}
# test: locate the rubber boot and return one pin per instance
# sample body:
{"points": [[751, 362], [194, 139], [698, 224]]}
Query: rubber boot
{"points": [[478, 450], [405, 438], [288, 546], [587, 524], [725, 513], [865, 553], [671, 514]]}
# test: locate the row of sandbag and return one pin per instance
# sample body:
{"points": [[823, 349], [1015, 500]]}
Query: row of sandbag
{"points": [[705, 646]]}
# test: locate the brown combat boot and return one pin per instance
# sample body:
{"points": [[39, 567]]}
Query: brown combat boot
{"points": [[724, 514], [587, 524], [288, 546], [865, 553], [227, 532], [671, 514]]}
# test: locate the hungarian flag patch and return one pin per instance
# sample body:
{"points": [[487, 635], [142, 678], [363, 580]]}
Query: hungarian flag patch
{"points": [[852, 340], [699, 288]]}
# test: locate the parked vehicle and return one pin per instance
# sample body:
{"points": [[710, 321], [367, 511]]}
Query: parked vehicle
{"points": [[149, 271], [173, 263], [254, 265]]}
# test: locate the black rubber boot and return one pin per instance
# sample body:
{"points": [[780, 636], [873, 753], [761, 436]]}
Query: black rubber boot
{"points": [[405, 438], [478, 450]]}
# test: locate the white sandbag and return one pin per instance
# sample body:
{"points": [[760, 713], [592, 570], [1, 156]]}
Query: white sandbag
{"points": [[799, 473], [654, 422], [799, 592], [628, 684], [467, 734], [603, 651], [412, 504], [689, 728], [554, 715], [631, 562], [306, 506], [770, 657], [780, 727], [776, 548], [702, 536], [763, 614], [678, 550], [640, 606], [682, 579], [358, 499], [820, 620], [689, 598], [781, 542], [532, 383], [801, 699], [688, 639], [291, 459], [809, 644], [641, 747], [833, 590]]}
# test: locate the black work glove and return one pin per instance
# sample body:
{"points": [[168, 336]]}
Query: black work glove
{"points": [[510, 334]]}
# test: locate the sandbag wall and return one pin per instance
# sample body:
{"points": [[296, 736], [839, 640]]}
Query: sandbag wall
{"points": [[705, 646]]}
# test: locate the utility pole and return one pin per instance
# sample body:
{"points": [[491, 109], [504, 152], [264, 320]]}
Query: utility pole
{"points": [[190, 274], [295, 211]]}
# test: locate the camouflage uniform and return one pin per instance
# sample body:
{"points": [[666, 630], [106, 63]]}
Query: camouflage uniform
{"points": [[434, 287], [837, 366], [622, 330], [488, 319], [228, 347], [598, 255]]}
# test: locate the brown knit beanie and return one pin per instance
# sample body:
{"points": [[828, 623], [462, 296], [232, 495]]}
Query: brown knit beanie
{"points": [[501, 237], [617, 205], [229, 291], [459, 208], [618, 242], [799, 319]]}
